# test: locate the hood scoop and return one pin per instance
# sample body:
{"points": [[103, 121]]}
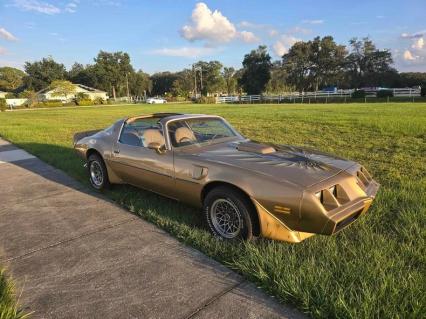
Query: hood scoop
{"points": [[255, 148]]}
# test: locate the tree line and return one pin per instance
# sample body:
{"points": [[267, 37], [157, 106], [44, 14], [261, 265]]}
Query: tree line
{"points": [[307, 66]]}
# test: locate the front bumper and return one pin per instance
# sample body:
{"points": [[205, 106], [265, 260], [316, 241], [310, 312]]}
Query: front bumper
{"points": [[345, 215], [325, 222]]}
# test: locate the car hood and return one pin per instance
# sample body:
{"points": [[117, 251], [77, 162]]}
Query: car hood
{"points": [[297, 165]]}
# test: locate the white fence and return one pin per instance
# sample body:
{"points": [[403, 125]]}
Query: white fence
{"points": [[405, 92]]}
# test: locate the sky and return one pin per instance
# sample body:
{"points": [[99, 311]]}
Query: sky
{"points": [[167, 35]]}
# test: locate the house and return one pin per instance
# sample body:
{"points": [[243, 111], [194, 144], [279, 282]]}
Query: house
{"points": [[93, 94]]}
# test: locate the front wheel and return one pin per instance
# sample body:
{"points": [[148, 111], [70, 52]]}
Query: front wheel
{"points": [[228, 214], [98, 174]]}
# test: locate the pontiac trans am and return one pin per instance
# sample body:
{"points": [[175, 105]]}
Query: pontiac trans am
{"points": [[245, 188]]}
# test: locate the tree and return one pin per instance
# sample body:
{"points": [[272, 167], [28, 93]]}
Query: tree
{"points": [[367, 65], [278, 83], [184, 83], [41, 73], [297, 64], [256, 71], [62, 88], [139, 83], [162, 82], [410, 79], [10, 78], [30, 95], [230, 80], [111, 70], [81, 74], [314, 64], [211, 80], [328, 61]]}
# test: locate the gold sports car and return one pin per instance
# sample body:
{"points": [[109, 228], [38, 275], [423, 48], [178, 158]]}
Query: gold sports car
{"points": [[245, 188]]}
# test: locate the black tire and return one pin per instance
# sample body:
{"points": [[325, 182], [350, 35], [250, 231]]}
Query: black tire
{"points": [[96, 163], [235, 204]]}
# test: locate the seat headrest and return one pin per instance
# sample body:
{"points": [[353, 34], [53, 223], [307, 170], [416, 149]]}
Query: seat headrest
{"points": [[184, 134], [152, 136]]}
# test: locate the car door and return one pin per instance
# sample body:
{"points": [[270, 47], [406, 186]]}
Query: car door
{"points": [[140, 166]]}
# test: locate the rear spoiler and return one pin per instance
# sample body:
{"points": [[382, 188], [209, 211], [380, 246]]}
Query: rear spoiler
{"points": [[79, 135]]}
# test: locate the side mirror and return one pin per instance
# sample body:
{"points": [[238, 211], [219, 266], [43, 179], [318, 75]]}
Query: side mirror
{"points": [[160, 149]]}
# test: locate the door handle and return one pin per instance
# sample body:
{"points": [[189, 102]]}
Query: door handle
{"points": [[116, 151]]}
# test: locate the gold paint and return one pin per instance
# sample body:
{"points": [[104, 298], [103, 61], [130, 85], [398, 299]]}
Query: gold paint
{"points": [[257, 170]]}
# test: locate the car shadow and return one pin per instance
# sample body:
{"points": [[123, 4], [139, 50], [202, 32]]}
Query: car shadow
{"points": [[61, 165]]}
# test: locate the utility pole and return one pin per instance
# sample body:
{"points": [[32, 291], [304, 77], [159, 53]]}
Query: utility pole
{"points": [[195, 81], [127, 85], [201, 77]]}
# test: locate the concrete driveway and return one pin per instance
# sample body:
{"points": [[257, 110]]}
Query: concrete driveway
{"points": [[75, 254]]}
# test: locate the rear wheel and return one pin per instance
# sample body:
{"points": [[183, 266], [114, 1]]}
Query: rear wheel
{"points": [[98, 174], [228, 214]]}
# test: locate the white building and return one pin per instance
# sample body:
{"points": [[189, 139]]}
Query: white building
{"points": [[93, 94], [3, 95]]}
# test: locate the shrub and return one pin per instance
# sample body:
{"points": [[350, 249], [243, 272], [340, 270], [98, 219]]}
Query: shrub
{"points": [[84, 102], [52, 103], [384, 93], [99, 100], [3, 105], [423, 91], [10, 95], [82, 96], [358, 94], [206, 100]]}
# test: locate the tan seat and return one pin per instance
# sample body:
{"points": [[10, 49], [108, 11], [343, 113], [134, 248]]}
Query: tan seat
{"points": [[152, 136], [184, 134]]}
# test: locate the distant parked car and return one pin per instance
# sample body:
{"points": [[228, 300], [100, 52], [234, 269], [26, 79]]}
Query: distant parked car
{"points": [[155, 100]]}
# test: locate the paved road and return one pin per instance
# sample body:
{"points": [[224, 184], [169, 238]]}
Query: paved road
{"points": [[74, 254]]}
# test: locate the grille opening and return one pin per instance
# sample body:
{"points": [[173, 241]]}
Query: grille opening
{"points": [[332, 197], [349, 220], [341, 195], [366, 174], [361, 179]]}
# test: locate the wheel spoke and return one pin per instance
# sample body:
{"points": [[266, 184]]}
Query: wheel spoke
{"points": [[226, 218]]}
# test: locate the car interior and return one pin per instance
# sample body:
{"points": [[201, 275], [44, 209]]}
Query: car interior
{"points": [[141, 132]]}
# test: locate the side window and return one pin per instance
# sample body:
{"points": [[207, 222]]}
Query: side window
{"points": [[141, 132]]}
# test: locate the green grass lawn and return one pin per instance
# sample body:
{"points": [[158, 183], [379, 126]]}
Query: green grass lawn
{"points": [[9, 308], [375, 268]]}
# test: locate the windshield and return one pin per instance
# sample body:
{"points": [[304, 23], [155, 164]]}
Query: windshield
{"points": [[199, 130]]}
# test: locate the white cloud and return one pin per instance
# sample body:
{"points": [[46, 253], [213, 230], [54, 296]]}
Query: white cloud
{"points": [[207, 25], [249, 37], [251, 25], [3, 51], [283, 44], [317, 21], [186, 52], [71, 7], [300, 30], [4, 34], [408, 56], [415, 35], [37, 6], [214, 28], [273, 33], [418, 44]]}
